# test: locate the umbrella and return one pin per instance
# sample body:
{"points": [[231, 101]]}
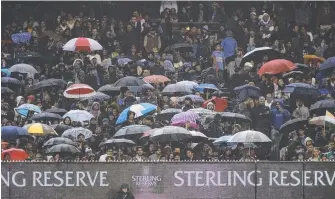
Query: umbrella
{"points": [[79, 91], [204, 87], [201, 111], [293, 74], [139, 110], [156, 79], [198, 136], [56, 110], [320, 121], [194, 98], [190, 116], [329, 63], [46, 116], [60, 128], [9, 80], [181, 47], [12, 132], [14, 154], [6, 91], [123, 61], [109, 89], [276, 66], [246, 91], [129, 81], [23, 37], [97, 96], [22, 68], [175, 90], [170, 134], [63, 148], [74, 132], [48, 83], [293, 124], [234, 116], [222, 140], [320, 107], [302, 66], [167, 114], [302, 90], [79, 115], [132, 132], [82, 44], [314, 57], [258, 53], [117, 143], [249, 136], [184, 123], [58, 140], [5, 72], [25, 109], [189, 84], [39, 129]]}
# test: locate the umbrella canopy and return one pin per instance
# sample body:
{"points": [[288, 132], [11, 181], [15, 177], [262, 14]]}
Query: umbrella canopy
{"points": [[97, 96], [181, 47], [320, 107], [249, 136], [12, 132], [234, 116], [198, 136], [170, 134], [10, 81], [246, 91], [222, 140], [25, 109], [129, 81], [293, 74], [109, 89], [22, 68], [194, 98], [167, 114], [82, 44], [131, 132], [39, 129], [139, 110], [63, 148], [257, 54], [293, 124], [190, 116], [45, 116], [5, 72], [58, 140], [184, 123], [60, 128], [79, 91], [176, 90], [314, 57], [329, 63], [123, 61], [117, 143], [156, 79], [202, 111], [48, 83], [79, 115], [204, 87], [14, 154], [6, 91], [189, 84], [74, 132], [56, 110], [320, 121], [276, 66], [302, 90]]}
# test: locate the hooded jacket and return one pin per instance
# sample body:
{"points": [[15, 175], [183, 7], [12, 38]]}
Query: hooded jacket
{"points": [[278, 118]]}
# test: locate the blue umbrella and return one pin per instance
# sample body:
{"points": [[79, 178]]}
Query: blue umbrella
{"points": [[302, 90], [12, 132], [329, 63], [202, 87], [21, 37], [222, 140], [246, 91], [139, 110], [123, 61], [25, 108], [6, 72]]}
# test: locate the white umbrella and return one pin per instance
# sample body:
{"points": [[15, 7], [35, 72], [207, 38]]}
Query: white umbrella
{"points": [[249, 136], [79, 115], [74, 132], [23, 68]]}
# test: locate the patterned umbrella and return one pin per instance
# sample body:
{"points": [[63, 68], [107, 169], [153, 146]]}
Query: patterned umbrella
{"points": [[25, 109], [176, 90], [184, 123], [79, 115], [46, 116], [249, 136], [97, 96], [74, 132], [156, 79], [79, 91], [204, 87], [63, 148], [117, 143], [194, 98], [185, 116], [170, 134], [167, 114], [10, 81], [82, 44], [39, 129], [55, 110], [12, 132], [58, 140], [6, 91], [131, 132], [48, 83], [189, 84], [139, 110], [22, 68]]}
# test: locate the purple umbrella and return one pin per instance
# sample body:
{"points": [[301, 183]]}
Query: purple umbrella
{"points": [[185, 116]]}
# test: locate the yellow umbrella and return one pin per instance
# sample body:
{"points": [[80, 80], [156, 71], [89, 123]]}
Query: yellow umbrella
{"points": [[39, 129], [320, 59]]}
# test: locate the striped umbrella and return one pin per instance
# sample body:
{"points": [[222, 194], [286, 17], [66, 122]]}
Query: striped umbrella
{"points": [[155, 79], [39, 129], [79, 91], [25, 109], [82, 44], [139, 110]]}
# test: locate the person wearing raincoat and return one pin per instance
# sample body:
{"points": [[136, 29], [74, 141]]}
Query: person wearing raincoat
{"points": [[95, 109]]}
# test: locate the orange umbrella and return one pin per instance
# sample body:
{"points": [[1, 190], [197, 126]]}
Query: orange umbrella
{"points": [[314, 57], [14, 154], [276, 66]]}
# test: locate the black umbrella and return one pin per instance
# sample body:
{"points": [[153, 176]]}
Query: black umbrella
{"points": [[60, 128], [48, 83], [132, 132], [110, 89], [58, 111], [117, 143], [10, 81], [6, 91], [97, 96], [63, 148], [181, 47], [58, 140], [167, 114], [234, 116], [246, 91], [320, 107], [293, 124], [45, 116], [293, 74], [129, 81], [257, 55], [176, 90], [170, 134]]}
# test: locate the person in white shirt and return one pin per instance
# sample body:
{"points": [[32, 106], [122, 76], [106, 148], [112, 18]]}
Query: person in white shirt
{"points": [[269, 100]]}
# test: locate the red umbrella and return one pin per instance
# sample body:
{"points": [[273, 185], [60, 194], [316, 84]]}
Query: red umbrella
{"points": [[82, 44], [14, 154], [276, 66], [156, 79], [79, 91]]}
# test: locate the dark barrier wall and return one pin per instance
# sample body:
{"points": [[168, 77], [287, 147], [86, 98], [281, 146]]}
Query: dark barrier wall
{"points": [[182, 180]]}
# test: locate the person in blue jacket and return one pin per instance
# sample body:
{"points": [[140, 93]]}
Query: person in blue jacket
{"points": [[279, 115]]}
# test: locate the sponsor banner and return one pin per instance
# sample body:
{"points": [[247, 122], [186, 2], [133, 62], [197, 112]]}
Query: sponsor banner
{"points": [[173, 180]]}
